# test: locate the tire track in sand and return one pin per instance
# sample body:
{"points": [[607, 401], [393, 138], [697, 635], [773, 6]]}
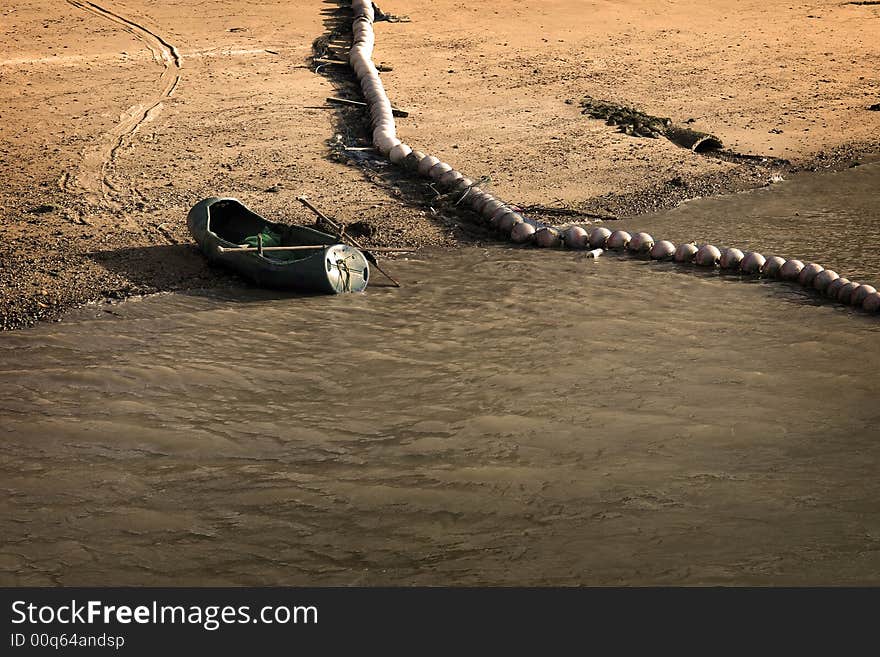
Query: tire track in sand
{"points": [[93, 177]]}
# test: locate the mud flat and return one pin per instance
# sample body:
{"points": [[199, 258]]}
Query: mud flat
{"points": [[118, 116]]}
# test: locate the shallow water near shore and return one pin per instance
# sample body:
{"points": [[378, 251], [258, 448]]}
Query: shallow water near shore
{"points": [[508, 417]]}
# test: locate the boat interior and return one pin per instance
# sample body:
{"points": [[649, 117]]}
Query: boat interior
{"points": [[234, 223]]}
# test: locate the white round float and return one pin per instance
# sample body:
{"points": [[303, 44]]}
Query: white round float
{"points": [[662, 250], [520, 230], [707, 256]]}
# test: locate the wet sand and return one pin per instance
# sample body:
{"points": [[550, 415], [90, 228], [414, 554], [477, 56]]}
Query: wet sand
{"points": [[118, 116]]}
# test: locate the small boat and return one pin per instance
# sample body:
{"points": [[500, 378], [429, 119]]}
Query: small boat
{"points": [[272, 254]]}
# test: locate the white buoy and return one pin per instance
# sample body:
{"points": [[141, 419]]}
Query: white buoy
{"points": [[595, 253], [872, 302], [772, 267], [384, 125], [685, 253], [513, 224], [426, 164], [662, 250], [547, 237], [495, 219], [598, 237], [575, 237], [522, 232], [808, 273], [824, 278], [388, 133], [640, 243], [618, 240], [449, 178], [707, 255], [731, 259], [491, 208], [752, 263], [844, 295], [834, 287], [465, 183], [384, 144], [508, 221], [382, 116], [399, 153], [412, 160], [790, 270], [383, 128], [361, 65], [480, 201], [859, 294], [474, 198], [438, 170]]}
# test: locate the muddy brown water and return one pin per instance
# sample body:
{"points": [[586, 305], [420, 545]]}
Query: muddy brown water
{"points": [[507, 417]]}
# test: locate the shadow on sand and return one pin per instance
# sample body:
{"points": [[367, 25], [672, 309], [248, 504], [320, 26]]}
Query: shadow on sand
{"points": [[181, 268]]}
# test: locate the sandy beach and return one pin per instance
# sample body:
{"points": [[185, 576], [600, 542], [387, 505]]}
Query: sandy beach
{"points": [[508, 416], [118, 116]]}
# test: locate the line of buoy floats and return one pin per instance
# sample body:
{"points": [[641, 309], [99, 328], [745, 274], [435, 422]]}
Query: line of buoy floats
{"points": [[510, 223]]}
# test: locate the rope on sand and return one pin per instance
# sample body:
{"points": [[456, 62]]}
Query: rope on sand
{"points": [[520, 229]]}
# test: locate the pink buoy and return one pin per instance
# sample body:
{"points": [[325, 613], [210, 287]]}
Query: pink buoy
{"points": [[449, 178], [480, 201], [844, 295], [475, 197], [598, 237], [547, 237], [438, 170], [501, 210], [752, 263], [662, 250], [790, 270], [824, 279], [808, 273], [575, 237], [522, 232], [384, 144], [412, 160], [859, 294], [383, 125], [426, 164], [685, 252], [640, 243], [834, 287], [399, 153], [872, 302], [707, 256], [772, 267], [465, 183], [618, 240], [731, 259], [491, 208], [508, 221], [497, 215]]}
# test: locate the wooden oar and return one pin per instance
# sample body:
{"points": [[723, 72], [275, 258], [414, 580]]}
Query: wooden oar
{"points": [[341, 232], [250, 249]]}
